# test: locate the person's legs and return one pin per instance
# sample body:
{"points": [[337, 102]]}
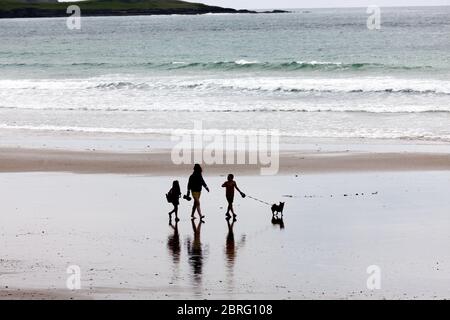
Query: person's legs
{"points": [[196, 196], [230, 200], [228, 209], [199, 210], [175, 210], [196, 206], [232, 209], [170, 213]]}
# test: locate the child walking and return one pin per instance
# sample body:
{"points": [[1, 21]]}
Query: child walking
{"points": [[173, 197], [229, 186]]}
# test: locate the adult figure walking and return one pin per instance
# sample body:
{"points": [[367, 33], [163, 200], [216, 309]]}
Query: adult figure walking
{"points": [[195, 184]]}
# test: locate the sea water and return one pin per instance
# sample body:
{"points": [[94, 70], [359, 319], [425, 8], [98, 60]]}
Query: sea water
{"points": [[319, 73]]}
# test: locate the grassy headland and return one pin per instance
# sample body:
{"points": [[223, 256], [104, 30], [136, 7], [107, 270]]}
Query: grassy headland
{"points": [[53, 8]]}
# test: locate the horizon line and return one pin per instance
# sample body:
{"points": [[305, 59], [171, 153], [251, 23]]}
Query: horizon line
{"points": [[295, 8], [350, 7]]}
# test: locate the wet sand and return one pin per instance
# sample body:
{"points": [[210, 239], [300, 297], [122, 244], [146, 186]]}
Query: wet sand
{"points": [[115, 227], [104, 210], [159, 162]]}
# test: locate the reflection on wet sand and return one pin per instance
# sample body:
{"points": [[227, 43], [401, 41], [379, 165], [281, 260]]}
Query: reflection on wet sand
{"points": [[195, 253], [173, 244], [231, 252]]}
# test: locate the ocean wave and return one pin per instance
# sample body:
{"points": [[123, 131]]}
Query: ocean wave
{"points": [[388, 90], [240, 64], [292, 86], [289, 66], [354, 134], [85, 129], [225, 87], [408, 109], [121, 85]]}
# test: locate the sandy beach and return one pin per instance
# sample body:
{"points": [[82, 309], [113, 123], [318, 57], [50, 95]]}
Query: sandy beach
{"points": [[106, 213], [159, 162]]}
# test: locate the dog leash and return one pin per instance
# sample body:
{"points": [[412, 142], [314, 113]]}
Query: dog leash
{"points": [[259, 200]]}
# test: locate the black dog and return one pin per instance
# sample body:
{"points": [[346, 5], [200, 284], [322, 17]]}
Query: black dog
{"points": [[278, 208]]}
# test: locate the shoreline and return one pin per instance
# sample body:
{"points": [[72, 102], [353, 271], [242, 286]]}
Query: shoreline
{"points": [[159, 163]]}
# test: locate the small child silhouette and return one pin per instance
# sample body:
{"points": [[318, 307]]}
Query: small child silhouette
{"points": [[174, 198], [229, 186]]}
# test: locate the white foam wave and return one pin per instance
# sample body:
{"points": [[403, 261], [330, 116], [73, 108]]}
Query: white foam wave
{"points": [[257, 84], [416, 135]]}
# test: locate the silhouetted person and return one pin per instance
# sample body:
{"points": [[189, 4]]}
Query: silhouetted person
{"points": [[173, 243], [174, 196], [195, 184], [195, 251], [229, 186]]}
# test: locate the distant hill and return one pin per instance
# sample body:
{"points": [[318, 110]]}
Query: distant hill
{"points": [[32, 1], [52, 8]]}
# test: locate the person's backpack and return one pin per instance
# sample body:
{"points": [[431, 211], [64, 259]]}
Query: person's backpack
{"points": [[169, 196]]}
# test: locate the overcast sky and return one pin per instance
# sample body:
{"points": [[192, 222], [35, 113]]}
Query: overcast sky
{"points": [[256, 4]]}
